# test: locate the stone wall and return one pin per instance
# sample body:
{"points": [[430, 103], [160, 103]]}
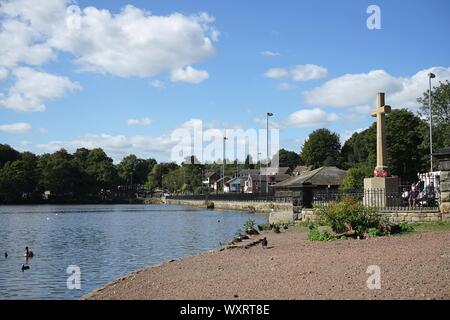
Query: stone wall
{"points": [[256, 206], [396, 217], [445, 195]]}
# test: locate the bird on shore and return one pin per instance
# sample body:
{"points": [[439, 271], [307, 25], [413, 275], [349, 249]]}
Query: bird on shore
{"points": [[28, 253], [6, 255], [24, 267], [264, 243]]}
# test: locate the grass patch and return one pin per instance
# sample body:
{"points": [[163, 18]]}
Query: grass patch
{"points": [[431, 226], [316, 235]]}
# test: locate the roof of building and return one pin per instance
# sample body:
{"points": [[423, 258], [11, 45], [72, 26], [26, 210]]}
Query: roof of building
{"points": [[300, 169], [237, 180], [246, 172], [274, 178], [275, 171], [223, 178], [324, 176], [209, 174]]}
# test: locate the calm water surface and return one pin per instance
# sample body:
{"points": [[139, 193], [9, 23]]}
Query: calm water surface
{"points": [[105, 241]]}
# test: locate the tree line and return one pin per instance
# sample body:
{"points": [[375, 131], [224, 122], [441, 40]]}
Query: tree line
{"points": [[91, 175]]}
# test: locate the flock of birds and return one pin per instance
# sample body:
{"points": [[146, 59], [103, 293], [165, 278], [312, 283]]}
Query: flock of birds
{"points": [[28, 254]]}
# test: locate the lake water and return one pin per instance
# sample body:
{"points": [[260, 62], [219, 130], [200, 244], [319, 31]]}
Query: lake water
{"points": [[105, 241]]}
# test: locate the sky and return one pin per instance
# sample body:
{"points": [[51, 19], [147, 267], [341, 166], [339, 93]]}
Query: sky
{"points": [[127, 75]]}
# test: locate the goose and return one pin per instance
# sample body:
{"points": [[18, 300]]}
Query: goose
{"points": [[28, 253], [24, 267], [264, 242]]}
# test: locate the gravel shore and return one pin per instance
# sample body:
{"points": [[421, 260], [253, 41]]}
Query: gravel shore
{"points": [[412, 267]]}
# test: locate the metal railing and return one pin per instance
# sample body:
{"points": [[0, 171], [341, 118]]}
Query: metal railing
{"points": [[256, 197], [379, 198]]}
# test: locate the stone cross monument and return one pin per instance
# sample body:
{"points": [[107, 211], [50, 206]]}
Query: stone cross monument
{"points": [[379, 113], [381, 190]]}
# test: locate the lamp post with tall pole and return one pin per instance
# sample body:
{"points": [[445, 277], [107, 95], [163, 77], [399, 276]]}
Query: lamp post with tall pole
{"points": [[269, 114], [431, 76], [223, 164], [259, 160]]}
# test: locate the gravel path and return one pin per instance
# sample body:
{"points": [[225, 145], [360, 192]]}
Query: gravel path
{"points": [[412, 267]]}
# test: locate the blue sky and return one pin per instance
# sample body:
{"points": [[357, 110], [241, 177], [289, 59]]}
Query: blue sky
{"points": [[313, 64]]}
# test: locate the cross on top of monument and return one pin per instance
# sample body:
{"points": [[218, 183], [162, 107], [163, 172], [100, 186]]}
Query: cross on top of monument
{"points": [[380, 113], [381, 107]]}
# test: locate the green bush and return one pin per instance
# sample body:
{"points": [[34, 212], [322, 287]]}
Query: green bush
{"points": [[406, 227], [349, 215], [316, 235], [373, 232], [263, 227], [355, 177], [209, 205]]}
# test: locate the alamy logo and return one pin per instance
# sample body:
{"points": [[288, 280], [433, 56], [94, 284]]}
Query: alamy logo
{"points": [[74, 280], [374, 280], [374, 20]]}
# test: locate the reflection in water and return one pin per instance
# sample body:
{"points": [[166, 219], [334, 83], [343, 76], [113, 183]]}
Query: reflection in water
{"points": [[105, 241]]}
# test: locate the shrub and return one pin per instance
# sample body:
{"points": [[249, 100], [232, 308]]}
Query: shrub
{"points": [[263, 227], [406, 227], [316, 235], [348, 215], [209, 205], [373, 232]]}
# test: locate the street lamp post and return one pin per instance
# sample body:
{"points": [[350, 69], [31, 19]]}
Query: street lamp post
{"points": [[223, 165], [259, 160], [431, 76], [269, 114]]}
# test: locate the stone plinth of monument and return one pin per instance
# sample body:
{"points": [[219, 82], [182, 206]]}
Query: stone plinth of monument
{"points": [[379, 191]]}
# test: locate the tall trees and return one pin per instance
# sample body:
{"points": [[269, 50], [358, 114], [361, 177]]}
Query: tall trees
{"points": [[321, 148], [60, 174], [7, 154], [441, 115], [135, 171], [289, 159], [18, 179], [405, 137]]}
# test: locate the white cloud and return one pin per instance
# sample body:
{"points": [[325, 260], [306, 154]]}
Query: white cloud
{"points": [[269, 54], [136, 122], [136, 43], [157, 84], [305, 72], [311, 118], [118, 146], [20, 127], [189, 75], [276, 73], [352, 89], [308, 72], [25, 29], [160, 147], [356, 90], [33, 88], [133, 42]]}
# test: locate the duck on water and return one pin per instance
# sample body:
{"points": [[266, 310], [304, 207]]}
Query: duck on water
{"points": [[28, 253]]}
